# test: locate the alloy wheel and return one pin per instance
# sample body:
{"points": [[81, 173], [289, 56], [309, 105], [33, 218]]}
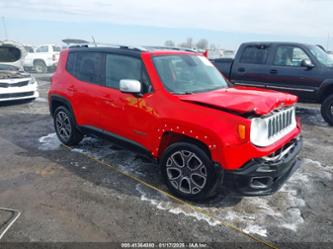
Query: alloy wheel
{"points": [[186, 172], [63, 125]]}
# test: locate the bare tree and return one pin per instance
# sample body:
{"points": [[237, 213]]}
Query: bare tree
{"points": [[169, 43], [202, 44], [187, 44]]}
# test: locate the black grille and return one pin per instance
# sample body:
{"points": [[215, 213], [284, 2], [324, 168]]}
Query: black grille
{"points": [[15, 95], [18, 84]]}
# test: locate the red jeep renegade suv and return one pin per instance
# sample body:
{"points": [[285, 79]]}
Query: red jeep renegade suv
{"points": [[176, 107]]}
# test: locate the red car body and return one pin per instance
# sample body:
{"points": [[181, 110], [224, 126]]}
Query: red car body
{"points": [[159, 118]]}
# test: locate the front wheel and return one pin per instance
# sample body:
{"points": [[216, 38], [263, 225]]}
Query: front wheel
{"points": [[189, 172], [40, 67], [65, 127], [327, 109]]}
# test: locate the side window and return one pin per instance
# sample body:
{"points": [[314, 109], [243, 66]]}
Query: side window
{"points": [[56, 49], [42, 49], [289, 56], [120, 67], [87, 66], [255, 55]]}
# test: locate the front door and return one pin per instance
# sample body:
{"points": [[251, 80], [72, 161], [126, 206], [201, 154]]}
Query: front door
{"points": [[131, 114], [287, 74]]}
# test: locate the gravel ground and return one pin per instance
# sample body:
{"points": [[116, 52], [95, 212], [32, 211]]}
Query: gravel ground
{"points": [[64, 196]]}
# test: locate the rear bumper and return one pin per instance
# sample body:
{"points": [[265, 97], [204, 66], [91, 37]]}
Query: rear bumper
{"points": [[264, 176]]}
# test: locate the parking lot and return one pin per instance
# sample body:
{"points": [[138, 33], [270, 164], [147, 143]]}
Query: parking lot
{"points": [[64, 194]]}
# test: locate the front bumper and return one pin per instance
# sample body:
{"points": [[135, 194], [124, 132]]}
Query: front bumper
{"points": [[17, 93], [264, 176]]}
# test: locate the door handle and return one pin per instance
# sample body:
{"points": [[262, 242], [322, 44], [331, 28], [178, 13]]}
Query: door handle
{"points": [[241, 69], [274, 71]]}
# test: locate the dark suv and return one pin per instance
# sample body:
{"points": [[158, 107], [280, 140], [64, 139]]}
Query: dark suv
{"points": [[175, 107]]}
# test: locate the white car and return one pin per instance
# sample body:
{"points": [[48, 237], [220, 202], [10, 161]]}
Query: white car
{"points": [[43, 58], [15, 84]]}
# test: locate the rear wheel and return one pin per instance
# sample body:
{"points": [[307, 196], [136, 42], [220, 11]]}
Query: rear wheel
{"points": [[327, 109], [188, 171], [65, 126], [40, 66]]}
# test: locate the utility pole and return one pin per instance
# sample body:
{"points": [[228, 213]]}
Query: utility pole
{"points": [[4, 27]]}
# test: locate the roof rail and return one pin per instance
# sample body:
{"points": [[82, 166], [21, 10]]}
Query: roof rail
{"points": [[171, 48], [92, 45]]}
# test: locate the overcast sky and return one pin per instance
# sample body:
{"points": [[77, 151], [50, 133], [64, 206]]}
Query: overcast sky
{"points": [[223, 22]]}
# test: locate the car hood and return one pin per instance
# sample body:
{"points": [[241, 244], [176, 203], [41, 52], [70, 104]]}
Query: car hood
{"points": [[242, 100], [12, 53]]}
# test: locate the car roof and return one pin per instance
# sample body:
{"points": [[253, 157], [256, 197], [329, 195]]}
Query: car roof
{"points": [[275, 43]]}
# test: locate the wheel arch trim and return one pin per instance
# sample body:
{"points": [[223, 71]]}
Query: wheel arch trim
{"points": [[327, 85]]}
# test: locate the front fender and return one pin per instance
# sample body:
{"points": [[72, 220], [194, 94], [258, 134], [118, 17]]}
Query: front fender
{"points": [[201, 134]]}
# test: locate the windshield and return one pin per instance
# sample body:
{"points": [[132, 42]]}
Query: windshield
{"points": [[5, 67], [184, 74], [321, 56]]}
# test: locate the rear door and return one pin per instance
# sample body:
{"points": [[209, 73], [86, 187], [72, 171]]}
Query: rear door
{"points": [[250, 68], [287, 74], [86, 86]]}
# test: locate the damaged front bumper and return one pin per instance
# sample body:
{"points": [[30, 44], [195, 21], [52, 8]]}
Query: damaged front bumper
{"points": [[266, 175]]}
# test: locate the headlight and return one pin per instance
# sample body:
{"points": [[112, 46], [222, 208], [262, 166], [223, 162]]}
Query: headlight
{"points": [[259, 131], [32, 81]]}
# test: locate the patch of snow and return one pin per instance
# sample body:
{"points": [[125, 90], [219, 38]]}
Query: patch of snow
{"points": [[255, 229], [49, 142], [174, 209]]}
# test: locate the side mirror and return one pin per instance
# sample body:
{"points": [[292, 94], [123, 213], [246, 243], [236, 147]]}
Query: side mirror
{"points": [[130, 86], [307, 63]]}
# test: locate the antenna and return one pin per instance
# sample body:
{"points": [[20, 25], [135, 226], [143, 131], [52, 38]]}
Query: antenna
{"points": [[92, 37], [4, 27]]}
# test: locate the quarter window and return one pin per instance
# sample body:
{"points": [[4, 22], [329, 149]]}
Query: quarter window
{"points": [[289, 56], [255, 54], [56, 49]]}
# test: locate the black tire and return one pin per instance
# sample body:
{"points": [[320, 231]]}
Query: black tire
{"points": [[327, 109], [179, 184], [65, 127], [40, 66]]}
